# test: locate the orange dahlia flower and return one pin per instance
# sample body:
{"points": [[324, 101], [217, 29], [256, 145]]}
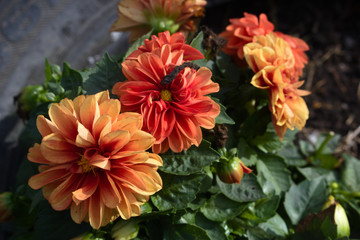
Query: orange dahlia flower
{"points": [[176, 42], [94, 160], [173, 112], [140, 16], [298, 48], [242, 30], [288, 108], [273, 62], [269, 50]]}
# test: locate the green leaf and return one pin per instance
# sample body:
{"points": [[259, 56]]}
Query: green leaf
{"points": [[256, 124], [275, 226], [247, 191], [266, 208], [197, 43], [214, 230], [273, 175], [103, 76], [71, 81], [291, 155], [137, 43], [350, 175], [227, 67], [269, 142], [184, 232], [220, 208], [191, 161], [223, 117], [311, 173], [247, 155], [307, 197], [177, 192]]}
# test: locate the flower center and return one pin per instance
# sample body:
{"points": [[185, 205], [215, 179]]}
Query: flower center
{"points": [[86, 167], [165, 95]]}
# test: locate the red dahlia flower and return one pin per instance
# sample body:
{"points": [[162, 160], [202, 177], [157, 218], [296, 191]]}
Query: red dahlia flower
{"points": [[176, 42], [173, 113], [94, 160]]}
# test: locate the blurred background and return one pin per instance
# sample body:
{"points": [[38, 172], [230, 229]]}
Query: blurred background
{"points": [[77, 32]]}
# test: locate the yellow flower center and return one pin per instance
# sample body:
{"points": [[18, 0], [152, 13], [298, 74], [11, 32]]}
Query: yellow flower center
{"points": [[86, 167], [165, 95]]}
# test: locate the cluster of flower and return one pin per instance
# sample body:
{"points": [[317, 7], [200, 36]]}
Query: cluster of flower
{"points": [[93, 158], [277, 60]]}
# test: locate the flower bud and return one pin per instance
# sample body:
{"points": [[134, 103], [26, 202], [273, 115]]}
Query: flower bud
{"points": [[29, 98], [125, 230], [5, 207], [341, 220], [231, 171]]}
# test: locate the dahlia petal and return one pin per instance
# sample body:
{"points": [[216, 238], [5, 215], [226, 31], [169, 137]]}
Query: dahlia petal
{"points": [[68, 104], [84, 138], [56, 150], [127, 175], [175, 141], [87, 189], [206, 122], [102, 127], [109, 193], [140, 140], [149, 175], [133, 159], [110, 107], [168, 120], [154, 160], [63, 120], [124, 207], [39, 180], [78, 101], [114, 141], [129, 121], [79, 211], [89, 112], [96, 210], [36, 156], [135, 209], [61, 197], [191, 53], [102, 97], [44, 126], [49, 188], [202, 77]]}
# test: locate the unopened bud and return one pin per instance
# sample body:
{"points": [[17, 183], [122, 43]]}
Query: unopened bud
{"points": [[231, 171]]}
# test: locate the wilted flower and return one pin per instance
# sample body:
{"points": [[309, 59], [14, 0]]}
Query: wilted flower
{"points": [[125, 230], [242, 30], [140, 16], [6, 212], [273, 62], [176, 42], [94, 160], [174, 111]]}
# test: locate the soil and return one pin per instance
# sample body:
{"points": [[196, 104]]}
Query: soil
{"points": [[333, 71]]}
